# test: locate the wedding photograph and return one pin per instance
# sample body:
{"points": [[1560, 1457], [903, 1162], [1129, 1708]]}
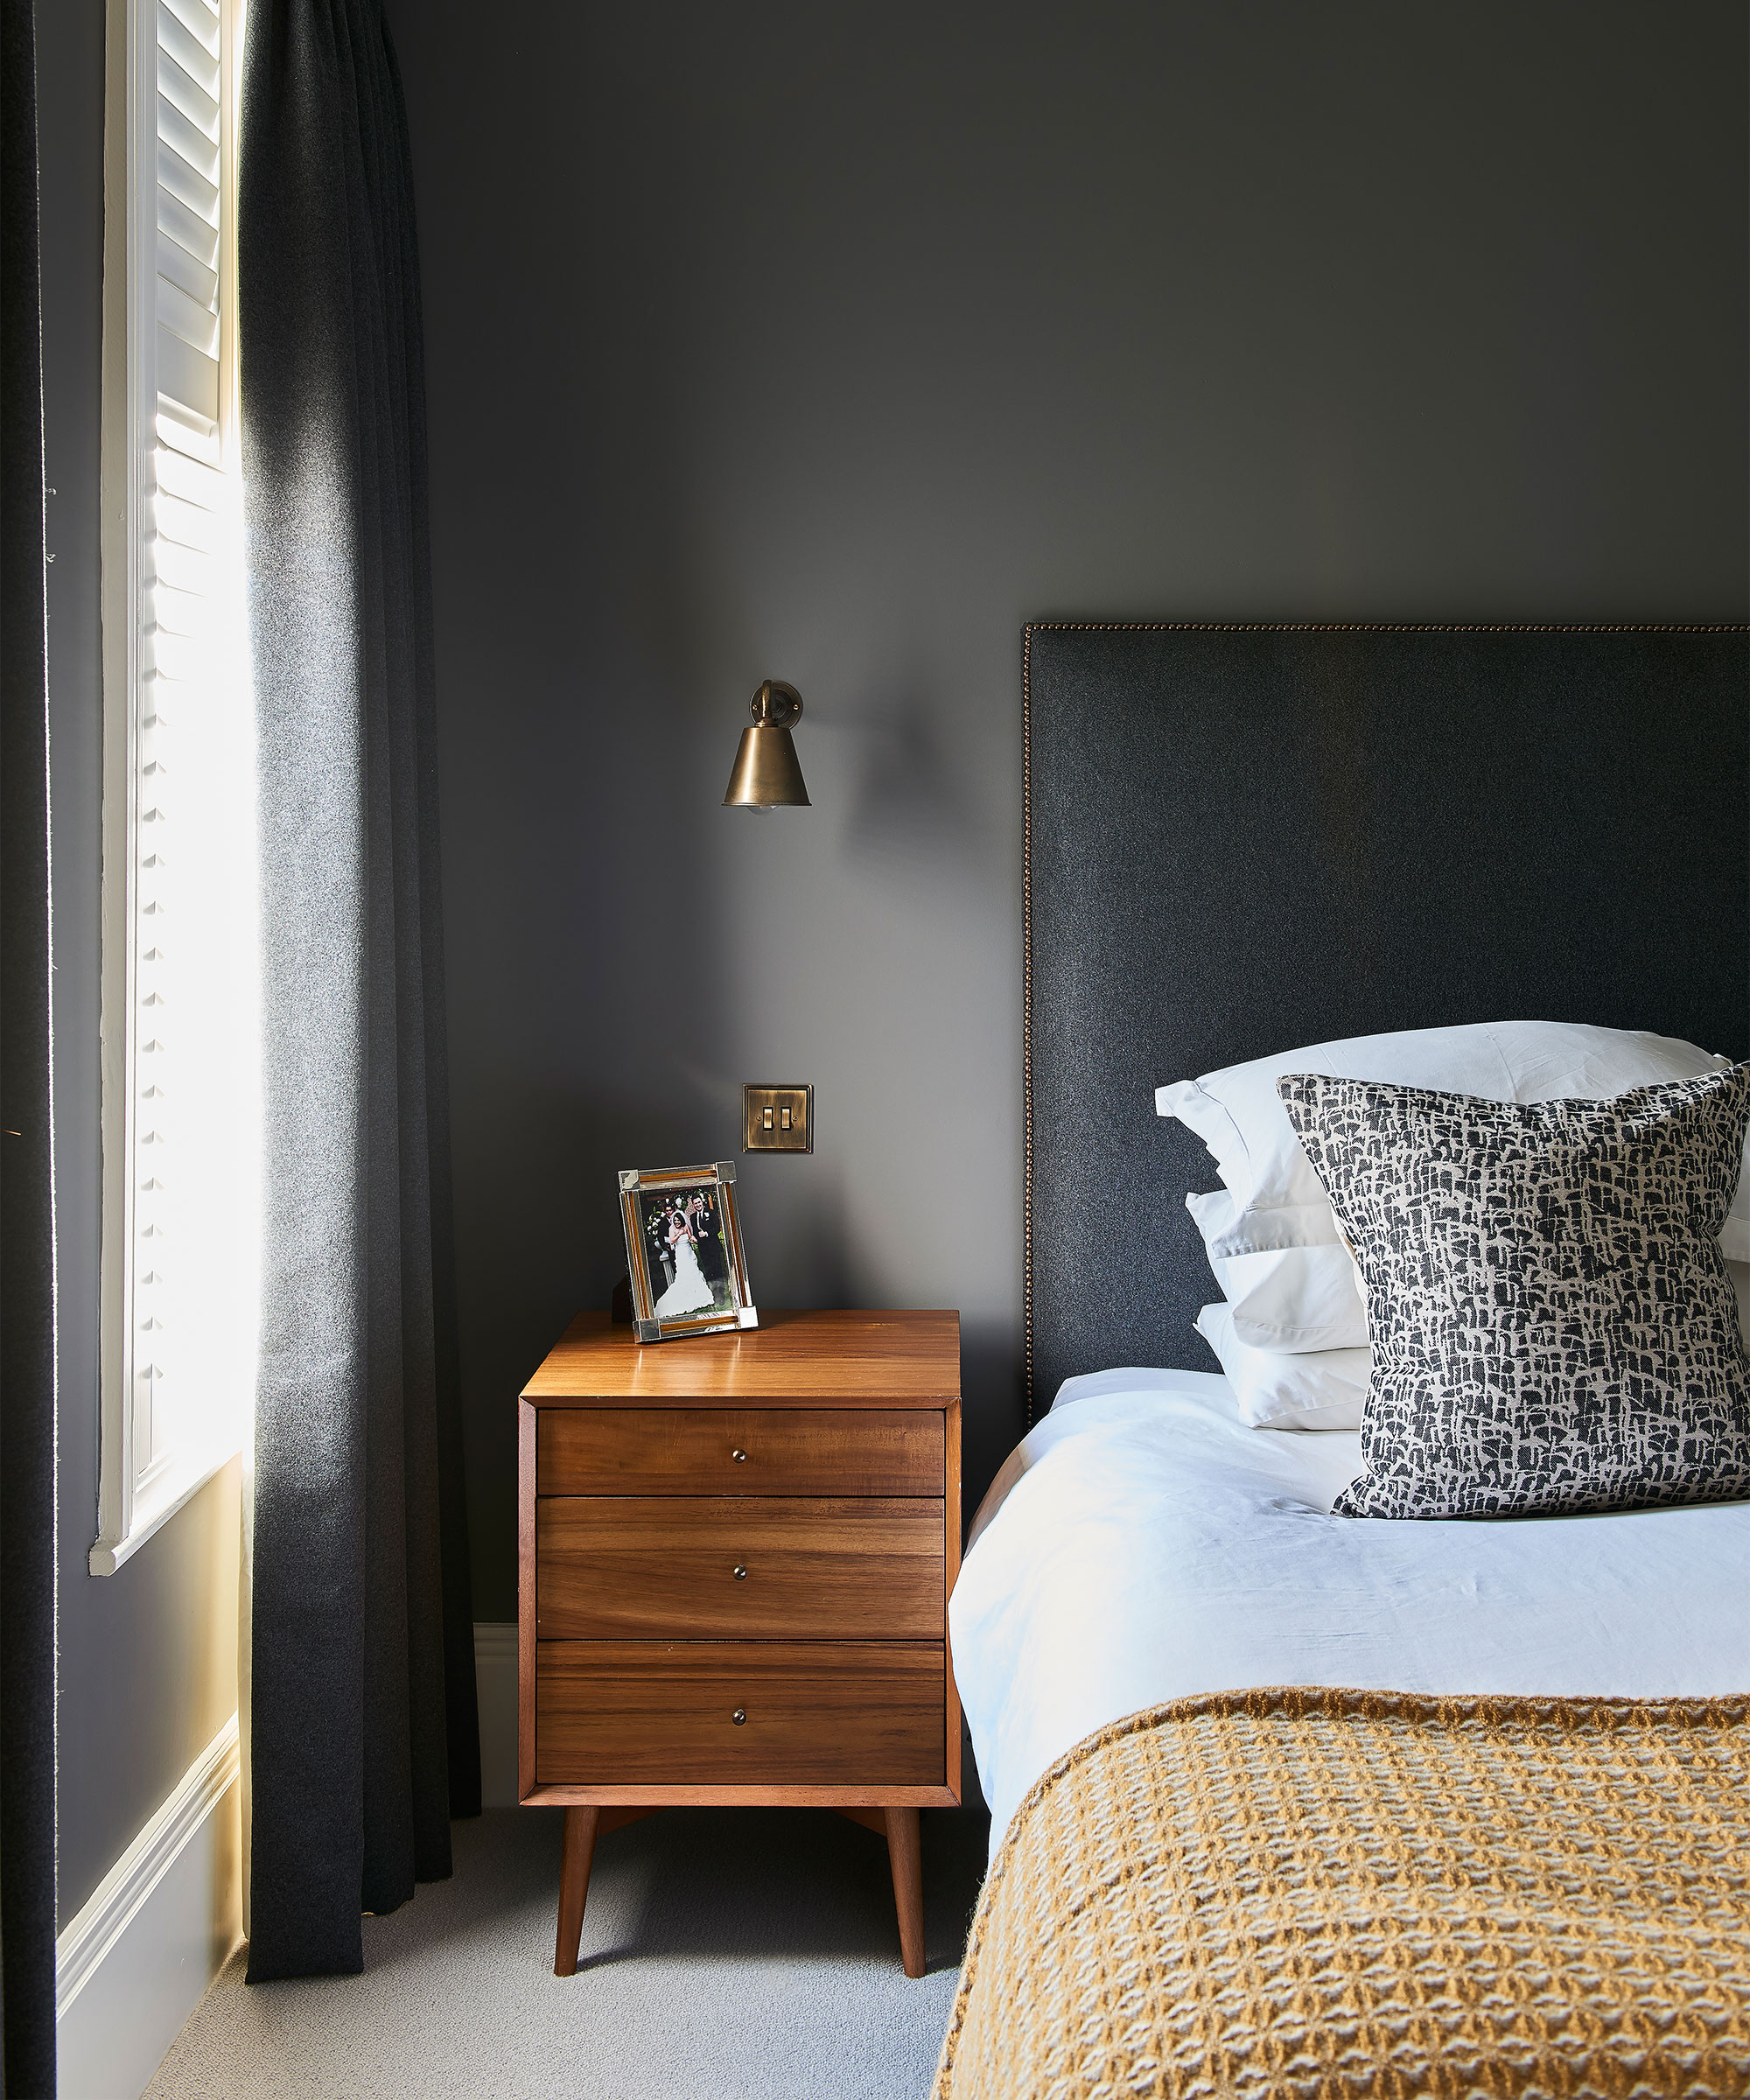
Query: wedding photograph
{"points": [[683, 1248], [686, 1254]]}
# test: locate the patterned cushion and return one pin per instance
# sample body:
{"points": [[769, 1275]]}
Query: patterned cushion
{"points": [[1553, 1325]]}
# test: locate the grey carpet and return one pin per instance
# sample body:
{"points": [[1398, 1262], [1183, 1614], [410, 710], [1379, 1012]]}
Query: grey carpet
{"points": [[746, 1954]]}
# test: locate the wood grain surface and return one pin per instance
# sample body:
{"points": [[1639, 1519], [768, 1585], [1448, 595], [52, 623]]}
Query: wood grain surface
{"points": [[741, 1450], [792, 1359], [905, 1856], [577, 1854], [663, 1567], [627, 1713], [651, 1794], [527, 1424], [951, 1575]]}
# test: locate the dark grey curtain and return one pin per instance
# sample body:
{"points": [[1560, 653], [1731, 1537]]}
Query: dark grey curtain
{"points": [[363, 1737], [27, 1797]]}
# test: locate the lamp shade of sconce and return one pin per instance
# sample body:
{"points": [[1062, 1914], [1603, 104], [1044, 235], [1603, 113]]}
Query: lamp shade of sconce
{"points": [[765, 775]]}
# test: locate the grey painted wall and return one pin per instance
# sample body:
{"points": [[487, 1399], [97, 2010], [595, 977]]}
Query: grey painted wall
{"points": [[148, 1660], [831, 344]]}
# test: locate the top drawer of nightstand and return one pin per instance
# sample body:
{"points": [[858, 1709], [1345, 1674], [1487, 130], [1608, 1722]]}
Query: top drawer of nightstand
{"points": [[741, 1450]]}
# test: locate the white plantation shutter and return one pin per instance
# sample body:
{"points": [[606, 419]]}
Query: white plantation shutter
{"points": [[181, 607], [179, 933], [189, 189]]}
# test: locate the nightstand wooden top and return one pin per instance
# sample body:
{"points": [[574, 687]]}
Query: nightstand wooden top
{"points": [[789, 1360]]}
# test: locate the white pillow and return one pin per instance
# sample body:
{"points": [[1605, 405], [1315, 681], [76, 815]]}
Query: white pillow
{"points": [[1290, 1299], [1278, 1200], [1324, 1388], [1314, 1388]]}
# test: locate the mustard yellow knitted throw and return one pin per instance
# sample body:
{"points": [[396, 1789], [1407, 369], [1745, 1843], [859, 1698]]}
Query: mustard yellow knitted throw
{"points": [[1312, 1894]]}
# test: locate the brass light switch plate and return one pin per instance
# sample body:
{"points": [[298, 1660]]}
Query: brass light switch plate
{"points": [[777, 1119]]}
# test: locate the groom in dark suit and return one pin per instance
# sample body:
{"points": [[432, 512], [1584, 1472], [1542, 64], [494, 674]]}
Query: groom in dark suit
{"points": [[713, 1262]]}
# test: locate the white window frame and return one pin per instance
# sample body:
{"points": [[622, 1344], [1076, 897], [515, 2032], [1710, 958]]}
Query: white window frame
{"points": [[135, 1498]]}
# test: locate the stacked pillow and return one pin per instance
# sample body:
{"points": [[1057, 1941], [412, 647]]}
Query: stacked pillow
{"points": [[1301, 1388], [1292, 1330]]}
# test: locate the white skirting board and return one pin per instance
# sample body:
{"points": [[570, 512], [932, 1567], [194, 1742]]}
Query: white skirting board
{"points": [[495, 1688], [131, 1967]]}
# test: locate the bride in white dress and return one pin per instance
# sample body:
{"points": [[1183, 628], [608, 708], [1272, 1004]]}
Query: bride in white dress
{"points": [[689, 1292]]}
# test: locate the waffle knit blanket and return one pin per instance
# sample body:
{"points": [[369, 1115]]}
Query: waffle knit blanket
{"points": [[1312, 1894]]}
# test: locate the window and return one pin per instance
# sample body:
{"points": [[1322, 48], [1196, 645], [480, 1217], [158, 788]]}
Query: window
{"points": [[180, 1116]]}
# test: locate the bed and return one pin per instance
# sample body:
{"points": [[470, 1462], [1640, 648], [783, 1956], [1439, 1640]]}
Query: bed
{"points": [[1239, 840]]}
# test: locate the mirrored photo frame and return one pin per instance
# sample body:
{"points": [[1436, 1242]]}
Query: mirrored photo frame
{"points": [[683, 1251]]}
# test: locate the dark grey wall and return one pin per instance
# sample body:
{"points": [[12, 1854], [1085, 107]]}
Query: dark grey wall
{"points": [[147, 1669], [831, 344]]}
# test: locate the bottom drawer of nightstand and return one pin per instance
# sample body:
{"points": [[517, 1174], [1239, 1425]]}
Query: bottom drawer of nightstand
{"points": [[814, 1713]]}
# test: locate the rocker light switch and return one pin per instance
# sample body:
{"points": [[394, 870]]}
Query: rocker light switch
{"points": [[777, 1119]]}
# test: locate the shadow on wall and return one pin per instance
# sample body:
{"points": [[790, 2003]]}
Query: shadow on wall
{"points": [[567, 1146], [693, 1127], [802, 1238], [571, 1146], [911, 806], [993, 1403]]}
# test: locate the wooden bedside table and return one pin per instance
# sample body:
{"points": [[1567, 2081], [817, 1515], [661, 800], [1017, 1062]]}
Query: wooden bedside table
{"points": [[735, 1556]]}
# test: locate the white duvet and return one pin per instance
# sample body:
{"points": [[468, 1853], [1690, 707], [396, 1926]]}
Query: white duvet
{"points": [[1144, 1544]]}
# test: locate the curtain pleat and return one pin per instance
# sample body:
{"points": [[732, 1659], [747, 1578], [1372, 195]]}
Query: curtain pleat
{"points": [[27, 1388], [363, 1735]]}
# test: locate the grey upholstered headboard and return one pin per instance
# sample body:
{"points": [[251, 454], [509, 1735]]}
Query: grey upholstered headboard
{"points": [[1244, 838]]}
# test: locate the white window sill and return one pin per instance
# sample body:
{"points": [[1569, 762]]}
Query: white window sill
{"points": [[157, 1503]]}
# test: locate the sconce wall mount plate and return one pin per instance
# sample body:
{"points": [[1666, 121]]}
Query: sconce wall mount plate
{"points": [[766, 774]]}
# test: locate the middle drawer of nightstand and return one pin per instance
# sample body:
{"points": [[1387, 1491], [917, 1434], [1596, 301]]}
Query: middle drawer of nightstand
{"points": [[729, 1568]]}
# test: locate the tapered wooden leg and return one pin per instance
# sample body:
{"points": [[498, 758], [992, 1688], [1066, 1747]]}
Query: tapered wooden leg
{"points": [[577, 1851], [904, 1855]]}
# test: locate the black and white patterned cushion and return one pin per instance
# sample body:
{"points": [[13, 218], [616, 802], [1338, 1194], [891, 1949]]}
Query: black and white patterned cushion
{"points": [[1553, 1325]]}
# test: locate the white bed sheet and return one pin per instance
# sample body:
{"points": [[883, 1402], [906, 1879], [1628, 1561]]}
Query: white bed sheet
{"points": [[1143, 1543]]}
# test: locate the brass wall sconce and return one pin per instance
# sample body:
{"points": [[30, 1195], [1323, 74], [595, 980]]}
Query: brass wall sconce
{"points": [[766, 774]]}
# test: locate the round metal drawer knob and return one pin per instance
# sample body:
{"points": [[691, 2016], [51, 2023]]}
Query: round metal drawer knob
{"points": [[741, 1574], [740, 1716], [740, 1457]]}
